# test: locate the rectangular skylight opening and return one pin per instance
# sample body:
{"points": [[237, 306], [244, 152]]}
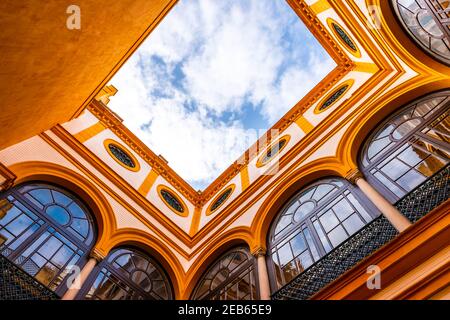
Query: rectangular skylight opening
{"points": [[212, 77]]}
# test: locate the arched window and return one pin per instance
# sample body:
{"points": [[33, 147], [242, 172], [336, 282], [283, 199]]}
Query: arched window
{"points": [[45, 230], [427, 22], [128, 274], [231, 277], [312, 223], [409, 146]]}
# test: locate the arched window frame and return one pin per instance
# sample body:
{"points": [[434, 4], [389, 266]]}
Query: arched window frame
{"points": [[248, 267], [47, 229], [108, 269], [435, 12], [371, 167], [313, 242]]}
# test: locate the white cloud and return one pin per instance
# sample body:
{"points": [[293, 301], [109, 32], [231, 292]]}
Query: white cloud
{"points": [[207, 59]]}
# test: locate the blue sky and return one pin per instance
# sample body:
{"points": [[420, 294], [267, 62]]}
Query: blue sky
{"points": [[212, 76]]}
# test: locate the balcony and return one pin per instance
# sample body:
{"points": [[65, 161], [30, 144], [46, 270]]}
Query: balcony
{"points": [[369, 239], [16, 284]]}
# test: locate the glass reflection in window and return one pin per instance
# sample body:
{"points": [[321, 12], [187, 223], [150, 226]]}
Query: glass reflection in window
{"points": [[409, 147], [316, 220], [426, 21], [231, 277], [45, 230], [129, 274]]}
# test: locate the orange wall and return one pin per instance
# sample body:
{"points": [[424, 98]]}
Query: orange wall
{"points": [[49, 72]]}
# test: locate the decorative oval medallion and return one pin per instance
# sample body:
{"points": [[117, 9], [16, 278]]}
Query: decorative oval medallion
{"points": [[273, 150], [220, 199], [333, 97], [173, 201], [121, 155], [343, 37]]}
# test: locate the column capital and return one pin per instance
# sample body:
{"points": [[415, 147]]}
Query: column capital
{"points": [[260, 251], [97, 255], [354, 175]]}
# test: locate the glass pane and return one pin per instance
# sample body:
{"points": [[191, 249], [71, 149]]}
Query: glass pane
{"points": [[219, 278], [5, 238], [328, 220], [18, 225], [298, 244], [61, 199], [290, 271], [311, 244], [42, 195], [36, 244], [59, 214], [430, 166], [411, 179], [412, 156], [62, 256], [305, 209], [81, 226], [47, 273], [237, 260], [204, 288], [244, 288], [390, 185], [283, 223], [394, 169], [9, 216], [359, 208], [285, 254], [232, 293], [225, 274], [159, 287], [322, 237], [342, 209], [322, 191], [337, 236], [142, 280], [51, 246], [353, 224], [38, 260], [76, 211], [405, 128], [377, 146], [124, 261], [304, 261], [440, 129], [24, 236]]}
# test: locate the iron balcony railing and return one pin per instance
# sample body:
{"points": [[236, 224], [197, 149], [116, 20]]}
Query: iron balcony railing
{"points": [[364, 243], [16, 284]]}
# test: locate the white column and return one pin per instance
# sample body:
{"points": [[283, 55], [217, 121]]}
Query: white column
{"points": [[77, 284], [395, 217], [263, 276]]}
